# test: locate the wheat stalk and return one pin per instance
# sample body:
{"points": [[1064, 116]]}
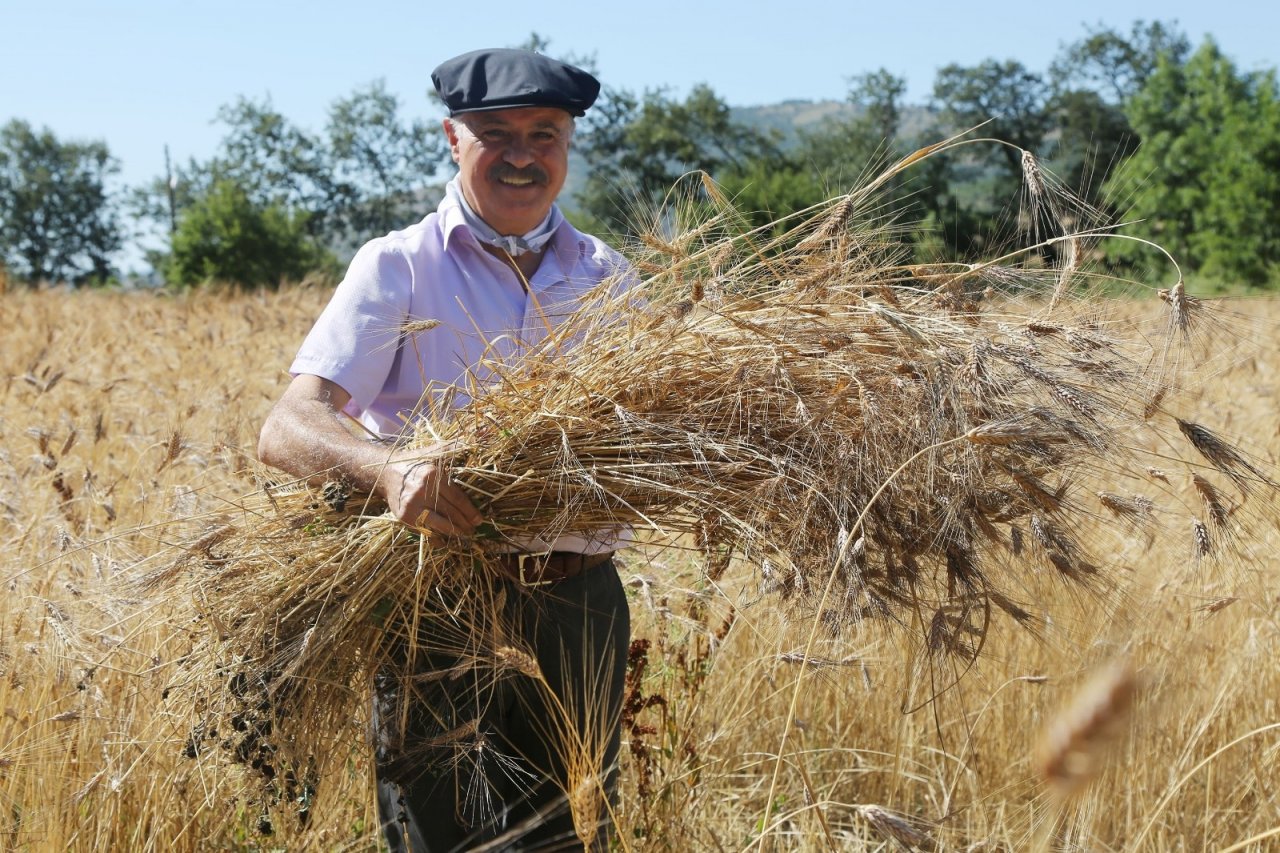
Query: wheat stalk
{"points": [[1075, 741]]}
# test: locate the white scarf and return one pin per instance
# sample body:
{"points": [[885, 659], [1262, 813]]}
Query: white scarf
{"points": [[512, 245]]}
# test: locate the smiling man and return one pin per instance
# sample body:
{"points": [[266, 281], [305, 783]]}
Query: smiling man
{"points": [[511, 163], [493, 267]]}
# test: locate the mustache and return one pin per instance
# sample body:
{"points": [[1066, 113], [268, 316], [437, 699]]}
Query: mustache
{"points": [[531, 172]]}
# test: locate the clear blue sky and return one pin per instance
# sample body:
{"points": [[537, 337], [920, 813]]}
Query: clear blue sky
{"points": [[142, 73]]}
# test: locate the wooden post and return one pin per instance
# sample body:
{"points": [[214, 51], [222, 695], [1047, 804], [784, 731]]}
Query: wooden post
{"points": [[171, 183]]}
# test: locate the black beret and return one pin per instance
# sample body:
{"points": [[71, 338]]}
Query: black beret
{"points": [[502, 78]]}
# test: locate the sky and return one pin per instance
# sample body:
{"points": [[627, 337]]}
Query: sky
{"points": [[140, 74]]}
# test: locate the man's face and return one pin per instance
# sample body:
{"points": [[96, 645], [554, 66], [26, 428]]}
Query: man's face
{"points": [[511, 163]]}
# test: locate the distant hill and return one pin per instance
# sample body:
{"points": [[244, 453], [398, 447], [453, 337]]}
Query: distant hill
{"points": [[789, 117]]}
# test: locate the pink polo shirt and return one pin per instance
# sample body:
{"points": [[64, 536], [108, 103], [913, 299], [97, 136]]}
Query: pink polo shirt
{"points": [[436, 270]]}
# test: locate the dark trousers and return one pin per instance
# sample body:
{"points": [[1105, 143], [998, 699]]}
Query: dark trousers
{"points": [[509, 728]]}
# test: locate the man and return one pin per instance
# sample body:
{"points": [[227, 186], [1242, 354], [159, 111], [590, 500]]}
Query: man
{"points": [[493, 267]]}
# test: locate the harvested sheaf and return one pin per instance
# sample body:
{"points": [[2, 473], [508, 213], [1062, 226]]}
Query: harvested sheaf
{"points": [[778, 398]]}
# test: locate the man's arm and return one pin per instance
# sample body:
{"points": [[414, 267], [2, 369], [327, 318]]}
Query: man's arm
{"points": [[306, 435]]}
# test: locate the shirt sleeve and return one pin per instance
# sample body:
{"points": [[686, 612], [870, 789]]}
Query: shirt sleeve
{"points": [[355, 340]]}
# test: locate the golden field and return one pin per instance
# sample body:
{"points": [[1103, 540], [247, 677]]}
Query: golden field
{"points": [[129, 420]]}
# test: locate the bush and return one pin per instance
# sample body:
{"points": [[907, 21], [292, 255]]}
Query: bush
{"points": [[225, 236]]}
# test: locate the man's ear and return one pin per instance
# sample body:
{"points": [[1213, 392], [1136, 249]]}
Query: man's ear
{"points": [[451, 133]]}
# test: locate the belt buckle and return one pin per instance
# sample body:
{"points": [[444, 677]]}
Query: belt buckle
{"points": [[520, 561]]}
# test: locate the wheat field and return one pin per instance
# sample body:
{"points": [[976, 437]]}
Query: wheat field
{"points": [[1147, 719]]}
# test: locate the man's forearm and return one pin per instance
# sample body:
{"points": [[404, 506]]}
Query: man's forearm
{"points": [[311, 440], [307, 435]]}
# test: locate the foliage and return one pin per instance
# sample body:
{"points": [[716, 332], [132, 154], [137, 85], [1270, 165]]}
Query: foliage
{"points": [[228, 236], [1092, 80], [1007, 99], [57, 219], [366, 175], [841, 153], [1114, 66], [272, 160], [641, 145], [1206, 182], [379, 163], [1092, 138], [1203, 174]]}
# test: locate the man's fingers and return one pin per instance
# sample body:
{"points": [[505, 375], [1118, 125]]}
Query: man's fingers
{"points": [[426, 485], [432, 520], [459, 504], [459, 513], [452, 500], [448, 510]]}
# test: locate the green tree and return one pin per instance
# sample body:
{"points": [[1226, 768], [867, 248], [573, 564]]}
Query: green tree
{"points": [[1011, 100], [367, 174], [1206, 182], [274, 161], [1115, 66], [841, 152], [380, 164], [878, 94], [57, 220], [828, 160], [271, 161], [1091, 137], [768, 189], [1011, 103], [640, 146], [226, 236], [1093, 79]]}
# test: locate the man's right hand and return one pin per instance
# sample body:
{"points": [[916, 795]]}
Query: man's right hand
{"points": [[306, 435], [416, 486]]}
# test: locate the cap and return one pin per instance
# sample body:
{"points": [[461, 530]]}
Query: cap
{"points": [[502, 78]]}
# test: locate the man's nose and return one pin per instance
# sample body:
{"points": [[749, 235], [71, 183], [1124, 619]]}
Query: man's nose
{"points": [[518, 153]]}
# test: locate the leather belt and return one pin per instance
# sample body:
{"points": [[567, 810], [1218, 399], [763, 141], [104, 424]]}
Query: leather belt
{"points": [[536, 569]]}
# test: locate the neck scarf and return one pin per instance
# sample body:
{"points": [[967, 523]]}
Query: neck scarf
{"points": [[515, 246]]}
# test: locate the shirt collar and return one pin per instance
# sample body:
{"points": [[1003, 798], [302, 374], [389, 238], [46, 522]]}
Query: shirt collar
{"points": [[568, 244], [455, 213]]}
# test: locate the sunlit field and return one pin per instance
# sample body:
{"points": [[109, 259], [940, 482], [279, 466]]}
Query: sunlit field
{"points": [[128, 424]]}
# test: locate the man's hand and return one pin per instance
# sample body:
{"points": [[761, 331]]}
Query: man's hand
{"points": [[306, 435], [418, 492]]}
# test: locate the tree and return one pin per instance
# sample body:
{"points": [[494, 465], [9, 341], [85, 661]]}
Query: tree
{"points": [[274, 162], [1091, 138], [367, 174], [1092, 80], [227, 236], [1206, 181], [57, 219], [1012, 101], [644, 144], [830, 159], [380, 164], [1108, 63], [878, 94]]}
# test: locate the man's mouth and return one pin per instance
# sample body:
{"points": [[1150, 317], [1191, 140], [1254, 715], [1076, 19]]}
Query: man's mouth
{"points": [[521, 178]]}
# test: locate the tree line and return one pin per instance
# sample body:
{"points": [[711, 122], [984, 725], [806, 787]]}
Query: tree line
{"points": [[1177, 143]]}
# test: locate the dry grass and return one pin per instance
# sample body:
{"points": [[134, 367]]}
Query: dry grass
{"points": [[126, 428]]}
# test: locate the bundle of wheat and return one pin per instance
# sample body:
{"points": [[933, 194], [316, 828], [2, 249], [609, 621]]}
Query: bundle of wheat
{"points": [[882, 439]]}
